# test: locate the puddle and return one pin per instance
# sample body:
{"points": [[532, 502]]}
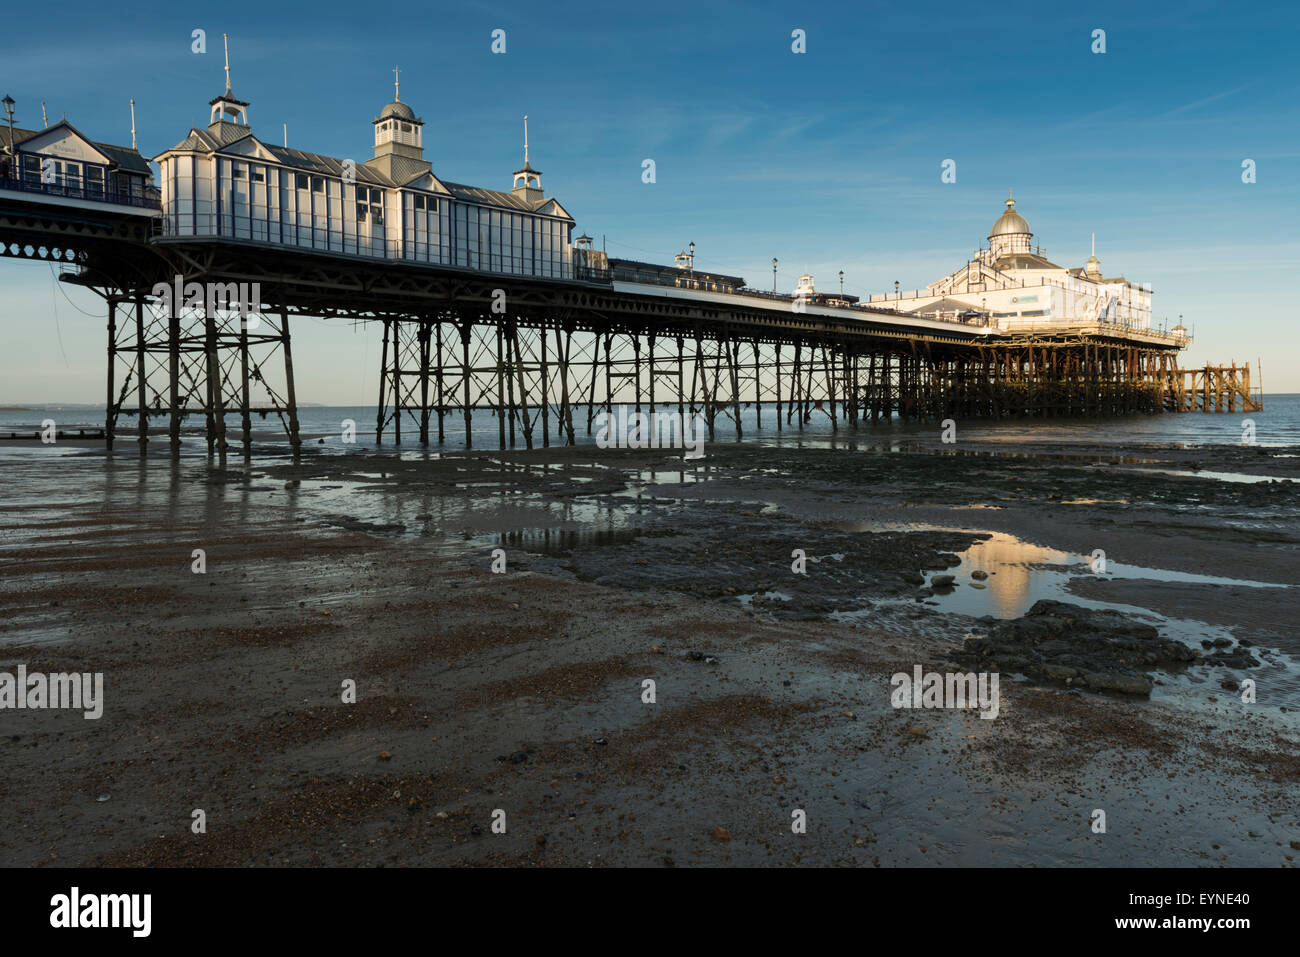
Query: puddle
{"points": [[763, 596], [1238, 477], [559, 542], [1020, 574]]}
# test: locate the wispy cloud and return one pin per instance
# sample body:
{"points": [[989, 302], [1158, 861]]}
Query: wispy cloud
{"points": [[1205, 101]]}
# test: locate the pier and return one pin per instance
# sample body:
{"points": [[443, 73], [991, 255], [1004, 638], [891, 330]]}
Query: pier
{"points": [[484, 299]]}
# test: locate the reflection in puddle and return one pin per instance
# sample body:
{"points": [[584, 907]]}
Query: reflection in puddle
{"points": [[1021, 573], [557, 542]]}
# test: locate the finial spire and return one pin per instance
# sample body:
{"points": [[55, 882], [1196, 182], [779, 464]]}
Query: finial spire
{"points": [[225, 40], [133, 146], [397, 86], [1010, 200], [525, 139]]}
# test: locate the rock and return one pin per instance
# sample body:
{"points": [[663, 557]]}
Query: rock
{"points": [[918, 730], [942, 581], [519, 757], [1063, 644], [913, 578], [1112, 681], [721, 834], [384, 756], [1228, 684], [979, 574], [1060, 672]]}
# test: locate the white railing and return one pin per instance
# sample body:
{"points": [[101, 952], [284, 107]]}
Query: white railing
{"points": [[240, 229]]}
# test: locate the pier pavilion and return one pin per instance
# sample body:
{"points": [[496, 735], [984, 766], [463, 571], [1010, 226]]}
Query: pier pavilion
{"points": [[1012, 284], [225, 183]]}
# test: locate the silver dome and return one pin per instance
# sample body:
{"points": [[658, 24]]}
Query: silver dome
{"points": [[398, 109], [1010, 223]]}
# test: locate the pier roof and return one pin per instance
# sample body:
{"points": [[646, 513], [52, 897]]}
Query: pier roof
{"points": [[125, 157], [406, 172]]}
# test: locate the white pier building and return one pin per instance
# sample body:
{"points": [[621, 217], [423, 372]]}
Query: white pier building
{"points": [[225, 181], [1012, 285]]}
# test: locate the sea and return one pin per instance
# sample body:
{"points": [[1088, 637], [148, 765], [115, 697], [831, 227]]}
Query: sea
{"points": [[324, 426]]}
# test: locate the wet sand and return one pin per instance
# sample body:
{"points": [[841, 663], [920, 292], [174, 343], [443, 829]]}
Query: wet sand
{"points": [[523, 691]]}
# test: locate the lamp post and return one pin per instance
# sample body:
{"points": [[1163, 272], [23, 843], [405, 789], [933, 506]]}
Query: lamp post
{"points": [[841, 284], [692, 248], [897, 294], [8, 102], [774, 275]]}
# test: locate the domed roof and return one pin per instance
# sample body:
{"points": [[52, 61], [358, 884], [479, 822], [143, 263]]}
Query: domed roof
{"points": [[1010, 223], [398, 109]]}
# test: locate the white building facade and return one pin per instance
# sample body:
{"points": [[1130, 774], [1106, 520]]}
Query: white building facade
{"points": [[1012, 285], [223, 181]]}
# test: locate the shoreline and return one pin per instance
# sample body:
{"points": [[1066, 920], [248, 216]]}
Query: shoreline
{"points": [[523, 691]]}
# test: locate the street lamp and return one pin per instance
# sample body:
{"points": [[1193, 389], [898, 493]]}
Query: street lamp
{"points": [[774, 275], [8, 102], [692, 248], [897, 294], [841, 283]]}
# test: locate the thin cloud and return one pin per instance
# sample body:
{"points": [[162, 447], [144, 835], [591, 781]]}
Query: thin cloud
{"points": [[1203, 102]]}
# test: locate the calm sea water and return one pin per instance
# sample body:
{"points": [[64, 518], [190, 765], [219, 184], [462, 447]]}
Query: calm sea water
{"points": [[1278, 424]]}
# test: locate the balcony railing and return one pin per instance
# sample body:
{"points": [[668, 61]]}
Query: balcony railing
{"points": [[550, 264], [150, 198]]}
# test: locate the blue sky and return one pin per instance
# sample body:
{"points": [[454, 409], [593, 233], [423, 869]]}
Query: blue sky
{"points": [[827, 160]]}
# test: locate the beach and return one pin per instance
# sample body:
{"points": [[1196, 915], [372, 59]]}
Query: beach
{"points": [[502, 717]]}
